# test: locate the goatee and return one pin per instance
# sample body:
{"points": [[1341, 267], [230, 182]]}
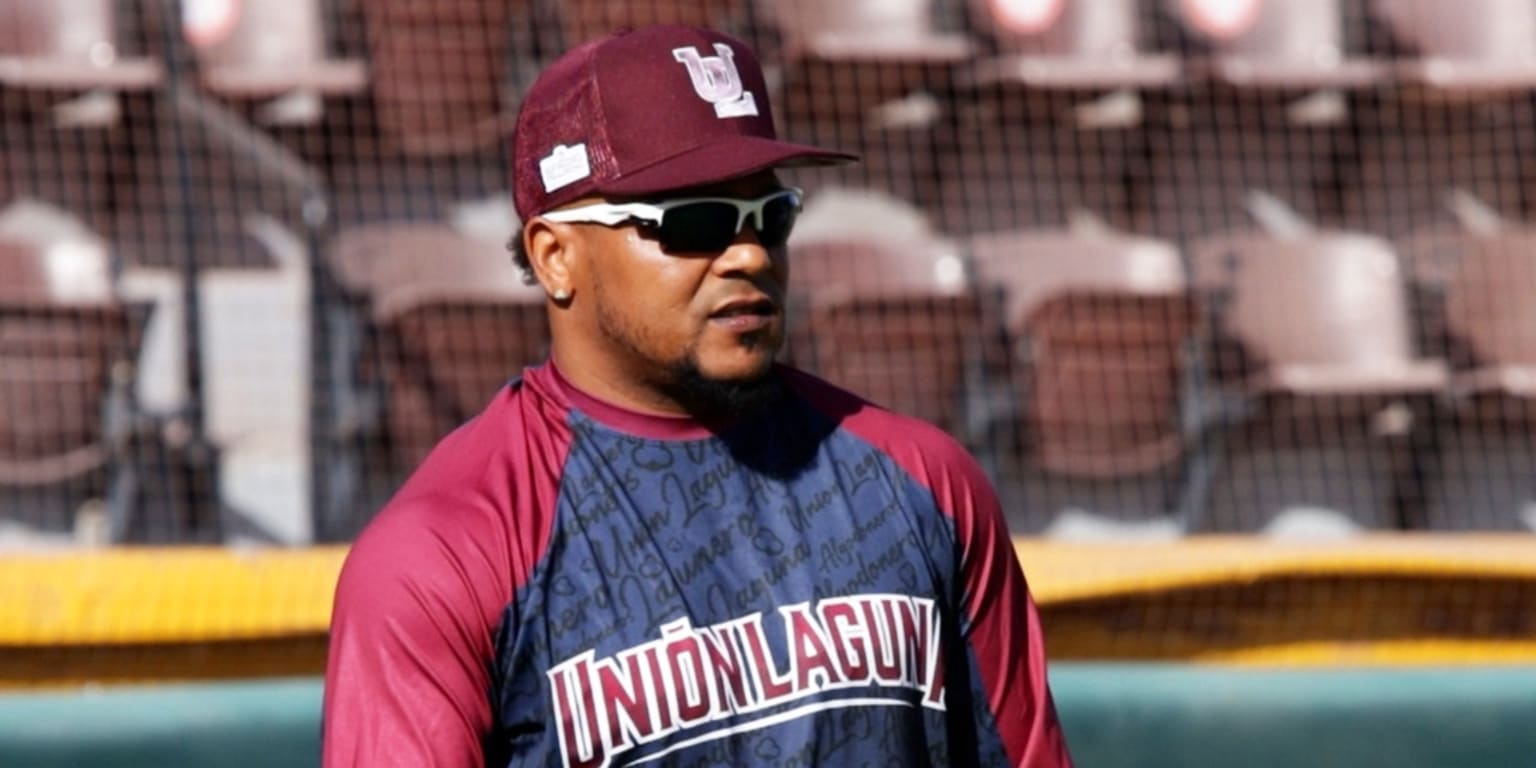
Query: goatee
{"points": [[723, 399]]}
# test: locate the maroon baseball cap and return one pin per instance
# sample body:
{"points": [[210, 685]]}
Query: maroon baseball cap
{"points": [[647, 111]]}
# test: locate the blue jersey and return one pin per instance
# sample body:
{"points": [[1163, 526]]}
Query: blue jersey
{"points": [[568, 583]]}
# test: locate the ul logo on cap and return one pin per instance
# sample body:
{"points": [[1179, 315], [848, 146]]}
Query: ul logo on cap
{"points": [[716, 81]]}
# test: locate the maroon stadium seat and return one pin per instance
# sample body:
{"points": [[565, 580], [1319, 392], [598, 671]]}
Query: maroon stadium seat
{"points": [[270, 51], [1472, 45], [1314, 347], [67, 351], [1355, 333], [1078, 44], [1423, 153], [1098, 322], [1483, 466], [1217, 150], [1489, 303], [1461, 124], [1275, 117], [1096, 314], [893, 318], [1279, 43], [1045, 130], [1019, 157], [583, 20], [867, 77], [451, 322], [438, 73], [904, 344], [864, 30], [67, 45]]}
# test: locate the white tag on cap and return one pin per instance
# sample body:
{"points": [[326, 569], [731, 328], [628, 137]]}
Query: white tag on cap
{"points": [[565, 165]]}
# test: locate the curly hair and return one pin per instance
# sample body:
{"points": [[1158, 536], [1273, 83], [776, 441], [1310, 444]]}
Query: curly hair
{"points": [[520, 257]]}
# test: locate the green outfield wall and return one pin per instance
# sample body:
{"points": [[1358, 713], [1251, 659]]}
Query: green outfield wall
{"points": [[1142, 715]]}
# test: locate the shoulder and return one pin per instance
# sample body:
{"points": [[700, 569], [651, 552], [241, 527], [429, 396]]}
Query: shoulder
{"points": [[928, 453], [480, 505], [520, 425], [447, 549]]}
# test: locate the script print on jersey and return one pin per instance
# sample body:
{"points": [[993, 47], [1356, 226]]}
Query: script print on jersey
{"points": [[735, 595]]}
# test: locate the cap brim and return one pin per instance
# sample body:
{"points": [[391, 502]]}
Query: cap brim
{"points": [[719, 162]]}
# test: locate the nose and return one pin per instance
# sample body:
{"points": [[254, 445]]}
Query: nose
{"points": [[746, 255]]}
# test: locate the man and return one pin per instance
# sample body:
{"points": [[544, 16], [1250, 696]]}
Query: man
{"points": [[659, 547]]}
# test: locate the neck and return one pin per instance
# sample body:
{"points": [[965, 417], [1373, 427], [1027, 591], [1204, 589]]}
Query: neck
{"points": [[613, 384], [686, 394]]}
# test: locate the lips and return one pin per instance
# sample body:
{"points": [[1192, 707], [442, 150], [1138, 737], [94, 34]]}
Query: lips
{"points": [[744, 315], [740, 307]]}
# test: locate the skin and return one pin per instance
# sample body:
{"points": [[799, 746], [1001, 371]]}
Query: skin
{"points": [[656, 331]]}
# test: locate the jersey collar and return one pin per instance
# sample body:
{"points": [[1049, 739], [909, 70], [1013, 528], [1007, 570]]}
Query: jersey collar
{"points": [[548, 379]]}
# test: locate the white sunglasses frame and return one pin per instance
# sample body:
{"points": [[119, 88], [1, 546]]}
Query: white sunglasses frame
{"points": [[613, 214]]}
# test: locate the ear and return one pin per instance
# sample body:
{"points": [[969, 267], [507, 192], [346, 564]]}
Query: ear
{"points": [[552, 253]]}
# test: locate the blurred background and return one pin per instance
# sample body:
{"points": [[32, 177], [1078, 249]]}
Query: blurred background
{"points": [[1235, 300]]}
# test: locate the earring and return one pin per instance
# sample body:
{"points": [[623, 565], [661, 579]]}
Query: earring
{"points": [[562, 294]]}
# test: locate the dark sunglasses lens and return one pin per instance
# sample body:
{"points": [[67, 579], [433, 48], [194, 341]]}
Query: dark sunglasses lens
{"points": [[699, 227], [778, 219]]}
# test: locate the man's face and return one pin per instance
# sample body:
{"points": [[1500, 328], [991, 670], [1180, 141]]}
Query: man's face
{"points": [[702, 327]]}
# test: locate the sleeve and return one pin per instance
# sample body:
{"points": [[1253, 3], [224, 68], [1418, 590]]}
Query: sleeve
{"points": [[408, 674], [1001, 626], [1003, 630]]}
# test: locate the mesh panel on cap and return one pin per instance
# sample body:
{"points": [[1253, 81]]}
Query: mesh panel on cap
{"points": [[562, 110]]}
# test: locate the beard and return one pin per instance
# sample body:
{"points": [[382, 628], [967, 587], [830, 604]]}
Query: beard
{"points": [[721, 399], [683, 380]]}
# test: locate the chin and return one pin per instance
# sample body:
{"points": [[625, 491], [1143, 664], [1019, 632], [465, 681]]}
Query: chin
{"points": [[743, 359], [740, 369], [726, 388]]}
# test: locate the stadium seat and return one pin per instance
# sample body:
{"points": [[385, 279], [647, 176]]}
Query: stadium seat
{"points": [[1216, 153], [67, 356], [583, 20], [1317, 385], [1424, 155], [1278, 43], [1076, 44], [37, 168], [883, 307], [1098, 322], [67, 45], [449, 321], [1014, 158], [1474, 45], [439, 73], [270, 51], [1273, 117], [864, 30], [1490, 304], [1483, 472], [1050, 128], [868, 77]]}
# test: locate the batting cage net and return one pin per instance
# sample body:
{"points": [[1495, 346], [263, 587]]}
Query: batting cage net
{"points": [[1167, 267]]}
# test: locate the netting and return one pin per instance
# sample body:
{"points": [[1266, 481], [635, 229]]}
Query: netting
{"points": [[1166, 267]]}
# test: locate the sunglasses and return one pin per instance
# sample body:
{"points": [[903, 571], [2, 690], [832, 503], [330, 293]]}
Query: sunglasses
{"points": [[698, 224]]}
